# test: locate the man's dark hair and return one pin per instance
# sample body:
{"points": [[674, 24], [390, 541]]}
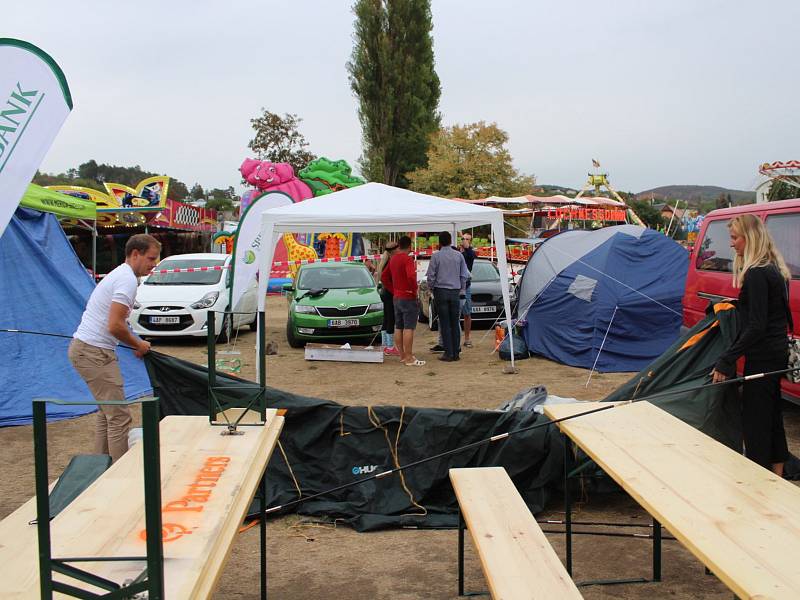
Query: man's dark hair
{"points": [[141, 242], [404, 243], [445, 239]]}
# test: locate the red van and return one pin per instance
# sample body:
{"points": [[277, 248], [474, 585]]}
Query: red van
{"points": [[711, 262]]}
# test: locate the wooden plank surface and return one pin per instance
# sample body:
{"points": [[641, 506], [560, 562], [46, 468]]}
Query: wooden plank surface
{"points": [[516, 557], [208, 481], [739, 519]]}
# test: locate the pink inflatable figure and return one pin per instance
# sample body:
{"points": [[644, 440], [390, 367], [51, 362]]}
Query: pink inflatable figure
{"points": [[274, 177]]}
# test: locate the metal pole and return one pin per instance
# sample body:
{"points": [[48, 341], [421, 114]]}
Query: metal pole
{"points": [[460, 552], [94, 251], [262, 365], [152, 500], [656, 550], [263, 546], [567, 505], [42, 499], [211, 326]]}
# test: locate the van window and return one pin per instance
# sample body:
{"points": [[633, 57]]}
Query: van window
{"points": [[785, 230], [715, 253]]}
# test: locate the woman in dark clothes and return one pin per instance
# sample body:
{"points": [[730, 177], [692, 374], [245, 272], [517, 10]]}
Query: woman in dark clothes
{"points": [[761, 273]]}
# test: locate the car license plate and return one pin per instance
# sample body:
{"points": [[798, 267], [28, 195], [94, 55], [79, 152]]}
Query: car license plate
{"points": [[343, 322], [165, 320], [482, 309]]}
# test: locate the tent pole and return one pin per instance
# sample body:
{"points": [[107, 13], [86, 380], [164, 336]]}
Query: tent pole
{"points": [[94, 251]]}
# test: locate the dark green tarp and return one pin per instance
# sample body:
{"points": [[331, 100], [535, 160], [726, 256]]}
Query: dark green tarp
{"points": [[715, 410], [328, 444]]}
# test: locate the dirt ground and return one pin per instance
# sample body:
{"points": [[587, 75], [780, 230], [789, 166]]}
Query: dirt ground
{"points": [[310, 560]]}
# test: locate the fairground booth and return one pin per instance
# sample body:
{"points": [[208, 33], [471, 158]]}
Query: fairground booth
{"points": [[122, 211]]}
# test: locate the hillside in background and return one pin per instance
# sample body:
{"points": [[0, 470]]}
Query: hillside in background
{"points": [[696, 195]]}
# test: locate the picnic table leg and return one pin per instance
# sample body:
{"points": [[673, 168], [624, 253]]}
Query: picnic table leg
{"points": [[656, 550], [567, 504], [263, 526], [460, 553]]}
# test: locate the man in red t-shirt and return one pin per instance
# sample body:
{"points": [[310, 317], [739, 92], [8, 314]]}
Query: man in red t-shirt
{"points": [[401, 277]]}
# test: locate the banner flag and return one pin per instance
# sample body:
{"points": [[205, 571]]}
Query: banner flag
{"points": [[34, 103], [247, 244]]}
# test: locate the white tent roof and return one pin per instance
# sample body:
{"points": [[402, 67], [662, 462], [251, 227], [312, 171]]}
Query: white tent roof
{"points": [[379, 207]]}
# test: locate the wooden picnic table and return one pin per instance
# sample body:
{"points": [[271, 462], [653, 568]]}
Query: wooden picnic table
{"points": [[739, 519]]}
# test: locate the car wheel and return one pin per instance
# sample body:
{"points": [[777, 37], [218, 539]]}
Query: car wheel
{"points": [[433, 320], [226, 331], [290, 337]]}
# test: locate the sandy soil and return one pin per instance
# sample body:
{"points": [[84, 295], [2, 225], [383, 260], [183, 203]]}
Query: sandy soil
{"points": [[313, 560]]}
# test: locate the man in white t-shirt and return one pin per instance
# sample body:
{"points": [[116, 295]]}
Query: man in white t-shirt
{"points": [[104, 325]]}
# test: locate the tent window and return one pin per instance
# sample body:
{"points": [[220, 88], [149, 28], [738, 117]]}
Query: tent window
{"points": [[583, 287]]}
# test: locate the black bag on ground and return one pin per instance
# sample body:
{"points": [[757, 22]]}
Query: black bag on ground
{"points": [[520, 347]]}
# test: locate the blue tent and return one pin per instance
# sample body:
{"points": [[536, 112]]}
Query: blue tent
{"points": [[44, 288], [618, 289]]}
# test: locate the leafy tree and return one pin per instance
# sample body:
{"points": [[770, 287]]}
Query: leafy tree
{"points": [[197, 192], [220, 204], [177, 190], [392, 73], [780, 190], [650, 215], [470, 161], [277, 139]]}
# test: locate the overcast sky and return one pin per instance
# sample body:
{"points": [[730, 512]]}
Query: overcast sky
{"points": [[678, 92]]}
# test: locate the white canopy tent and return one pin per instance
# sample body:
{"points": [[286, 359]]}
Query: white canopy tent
{"points": [[379, 207]]}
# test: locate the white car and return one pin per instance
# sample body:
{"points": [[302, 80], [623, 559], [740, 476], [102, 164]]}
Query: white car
{"points": [[177, 304]]}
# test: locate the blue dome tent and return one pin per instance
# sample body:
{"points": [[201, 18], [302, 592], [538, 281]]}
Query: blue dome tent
{"points": [[608, 299]]}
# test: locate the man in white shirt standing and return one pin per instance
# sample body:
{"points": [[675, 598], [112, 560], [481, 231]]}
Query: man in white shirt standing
{"points": [[103, 326]]}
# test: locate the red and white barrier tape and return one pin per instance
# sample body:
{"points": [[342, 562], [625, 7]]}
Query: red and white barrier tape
{"points": [[286, 263]]}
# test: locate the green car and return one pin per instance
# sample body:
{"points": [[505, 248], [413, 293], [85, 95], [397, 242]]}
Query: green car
{"points": [[333, 301]]}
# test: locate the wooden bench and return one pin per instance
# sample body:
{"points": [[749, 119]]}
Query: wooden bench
{"points": [[207, 483], [516, 557], [737, 518]]}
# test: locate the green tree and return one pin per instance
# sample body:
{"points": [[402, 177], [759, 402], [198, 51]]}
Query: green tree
{"points": [[278, 139], [780, 190], [649, 214], [392, 74], [220, 203], [197, 192], [470, 161]]}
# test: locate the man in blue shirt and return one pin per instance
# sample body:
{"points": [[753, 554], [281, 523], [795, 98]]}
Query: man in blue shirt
{"points": [[447, 278]]}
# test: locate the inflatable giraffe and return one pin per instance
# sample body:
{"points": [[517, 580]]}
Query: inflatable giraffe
{"points": [[297, 251]]}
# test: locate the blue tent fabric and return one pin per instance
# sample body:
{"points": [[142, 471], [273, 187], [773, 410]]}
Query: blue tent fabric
{"points": [[44, 288], [619, 289]]}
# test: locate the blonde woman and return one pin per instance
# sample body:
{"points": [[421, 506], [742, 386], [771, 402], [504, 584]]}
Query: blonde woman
{"points": [[761, 274], [387, 331]]}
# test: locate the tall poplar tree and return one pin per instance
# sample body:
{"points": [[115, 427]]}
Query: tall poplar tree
{"points": [[392, 74]]}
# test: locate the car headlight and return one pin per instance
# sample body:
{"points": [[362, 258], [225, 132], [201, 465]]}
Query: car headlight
{"points": [[136, 306], [304, 309], [375, 307], [206, 301]]}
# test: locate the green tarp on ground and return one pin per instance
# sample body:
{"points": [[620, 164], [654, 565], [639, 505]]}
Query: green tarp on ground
{"points": [[326, 444]]}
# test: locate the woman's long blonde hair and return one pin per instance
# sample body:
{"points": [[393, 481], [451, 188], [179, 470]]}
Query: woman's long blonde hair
{"points": [[759, 248]]}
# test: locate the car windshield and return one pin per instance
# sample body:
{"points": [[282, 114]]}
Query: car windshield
{"points": [[187, 278], [334, 278], [484, 271]]}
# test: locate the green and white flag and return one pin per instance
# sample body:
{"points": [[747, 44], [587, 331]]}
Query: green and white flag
{"points": [[34, 103]]}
